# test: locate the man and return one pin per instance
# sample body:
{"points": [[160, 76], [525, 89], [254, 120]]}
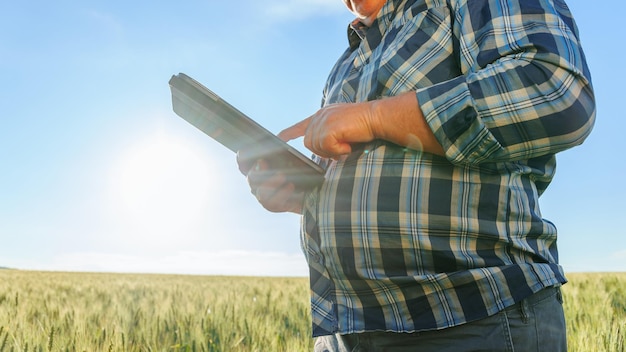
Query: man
{"points": [[438, 130]]}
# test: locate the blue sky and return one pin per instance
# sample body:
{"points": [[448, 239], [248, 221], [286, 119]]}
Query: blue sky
{"points": [[98, 174]]}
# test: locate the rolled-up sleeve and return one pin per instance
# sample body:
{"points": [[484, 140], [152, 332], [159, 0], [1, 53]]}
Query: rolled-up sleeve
{"points": [[525, 90]]}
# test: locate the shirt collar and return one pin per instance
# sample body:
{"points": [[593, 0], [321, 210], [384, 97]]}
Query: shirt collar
{"points": [[357, 31]]}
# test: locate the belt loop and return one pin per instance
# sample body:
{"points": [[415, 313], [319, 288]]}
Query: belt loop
{"points": [[559, 295], [523, 309], [362, 342]]}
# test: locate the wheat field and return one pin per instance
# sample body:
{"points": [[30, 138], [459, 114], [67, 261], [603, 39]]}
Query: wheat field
{"points": [[53, 311]]}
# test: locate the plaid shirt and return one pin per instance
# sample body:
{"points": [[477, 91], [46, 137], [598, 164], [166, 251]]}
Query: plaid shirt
{"points": [[399, 240]]}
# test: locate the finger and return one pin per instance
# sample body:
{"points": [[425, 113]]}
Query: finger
{"points": [[317, 135], [243, 163], [266, 191], [259, 174], [295, 131], [246, 159], [326, 144], [285, 199]]}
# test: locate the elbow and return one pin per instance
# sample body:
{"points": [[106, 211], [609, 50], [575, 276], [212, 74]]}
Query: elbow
{"points": [[573, 116]]}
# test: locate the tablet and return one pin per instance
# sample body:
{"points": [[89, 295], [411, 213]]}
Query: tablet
{"points": [[230, 127]]}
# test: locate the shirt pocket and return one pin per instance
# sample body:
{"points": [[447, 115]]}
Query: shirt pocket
{"points": [[418, 52]]}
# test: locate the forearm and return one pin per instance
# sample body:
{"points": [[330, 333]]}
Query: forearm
{"points": [[400, 120]]}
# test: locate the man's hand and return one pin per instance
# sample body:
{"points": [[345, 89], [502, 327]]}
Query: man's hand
{"points": [[270, 187], [330, 132]]}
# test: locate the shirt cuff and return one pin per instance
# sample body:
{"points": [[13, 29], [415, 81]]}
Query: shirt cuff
{"points": [[449, 110]]}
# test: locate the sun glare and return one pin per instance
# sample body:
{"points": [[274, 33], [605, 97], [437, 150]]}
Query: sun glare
{"points": [[160, 187]]}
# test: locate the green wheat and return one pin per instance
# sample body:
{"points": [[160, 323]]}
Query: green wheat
{"points": [[52, 311]]}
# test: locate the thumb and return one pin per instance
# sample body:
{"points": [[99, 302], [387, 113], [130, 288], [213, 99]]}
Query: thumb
{"points": [[294, 131]]}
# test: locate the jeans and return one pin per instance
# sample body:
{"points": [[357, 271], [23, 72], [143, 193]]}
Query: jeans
{"points": [[535, 324]]}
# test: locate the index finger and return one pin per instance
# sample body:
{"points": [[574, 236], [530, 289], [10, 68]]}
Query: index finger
{"points": [[294, 131]]}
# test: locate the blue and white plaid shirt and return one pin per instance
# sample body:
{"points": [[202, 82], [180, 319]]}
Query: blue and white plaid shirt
{"points": [[404, 241]]}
